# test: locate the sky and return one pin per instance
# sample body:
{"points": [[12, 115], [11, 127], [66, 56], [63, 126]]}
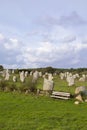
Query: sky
{"points": [[42, 33]]}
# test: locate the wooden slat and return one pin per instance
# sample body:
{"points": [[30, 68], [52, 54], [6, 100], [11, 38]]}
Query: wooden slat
{"points": [[60, 93], [53, 96]]}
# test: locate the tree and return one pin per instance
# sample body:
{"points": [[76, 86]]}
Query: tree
{"points": [[1, 67]]}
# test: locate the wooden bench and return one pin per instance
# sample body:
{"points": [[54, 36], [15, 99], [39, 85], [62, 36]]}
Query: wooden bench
{"points": [[60, 95]]}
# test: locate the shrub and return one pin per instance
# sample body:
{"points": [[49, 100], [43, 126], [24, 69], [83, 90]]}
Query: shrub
{"points": [[31, 86], [23, 87], [12, 87], [3, 85]]}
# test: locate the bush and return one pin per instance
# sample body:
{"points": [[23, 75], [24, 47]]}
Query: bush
{"points": [[12, 87], [31, 86], [23, 87], [3, 84]]}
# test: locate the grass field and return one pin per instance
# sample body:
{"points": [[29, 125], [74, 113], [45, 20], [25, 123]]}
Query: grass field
{"points": [[31, 112]]}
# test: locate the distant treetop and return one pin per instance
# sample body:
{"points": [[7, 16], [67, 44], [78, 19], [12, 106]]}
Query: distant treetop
{"points": [[1, 67]]}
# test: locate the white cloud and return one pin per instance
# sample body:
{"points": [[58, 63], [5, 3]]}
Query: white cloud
{"points": [[11, 44], [59, 34], [49, 53], [11, 66], [46, 52], [1, 37], [61, 49]]}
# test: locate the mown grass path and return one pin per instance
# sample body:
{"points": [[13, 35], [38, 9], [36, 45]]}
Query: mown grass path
{"points": [[31, 112]]}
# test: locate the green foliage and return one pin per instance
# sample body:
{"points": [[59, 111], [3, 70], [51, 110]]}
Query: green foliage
{"points": [[12, 86], [48, 69], [53, 70], [3, 85], [1, 67], [32, 85]]}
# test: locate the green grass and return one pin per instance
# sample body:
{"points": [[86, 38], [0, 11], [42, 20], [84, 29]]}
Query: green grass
{"points": [[31, 112]]}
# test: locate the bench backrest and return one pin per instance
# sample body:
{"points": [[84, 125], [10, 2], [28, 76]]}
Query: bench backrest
{"points": [[60, 93]]}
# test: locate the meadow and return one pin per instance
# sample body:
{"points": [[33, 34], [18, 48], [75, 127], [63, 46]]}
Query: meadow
{"points": [[20, 111]]}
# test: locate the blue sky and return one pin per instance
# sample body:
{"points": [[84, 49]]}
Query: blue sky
{"points": [[41, 33]]}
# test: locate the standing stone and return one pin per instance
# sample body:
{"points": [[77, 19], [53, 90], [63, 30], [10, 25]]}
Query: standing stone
{"points": [[22, 77], [50, 77], [40, 74], [26, 73], [62, 75], [31, 73], [7, 75], [48, 84], [70, 80], [35, 76], [80, 93], [83, 78], [12, 71], [14, 79]]}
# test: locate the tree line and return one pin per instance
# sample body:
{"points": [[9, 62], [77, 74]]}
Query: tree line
{"points": [[52, 70]]}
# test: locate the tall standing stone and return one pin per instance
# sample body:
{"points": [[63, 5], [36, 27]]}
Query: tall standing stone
{"points": [[22, 77], [14, 78], [48, 84], [35, 76], [7, 76], [26, 73]]}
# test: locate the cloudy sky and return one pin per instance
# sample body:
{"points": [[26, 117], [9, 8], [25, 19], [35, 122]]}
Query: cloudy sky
{"points": [[41, 33]]}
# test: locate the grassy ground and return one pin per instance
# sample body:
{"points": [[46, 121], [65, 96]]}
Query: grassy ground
{"points": [[31, 112]]}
